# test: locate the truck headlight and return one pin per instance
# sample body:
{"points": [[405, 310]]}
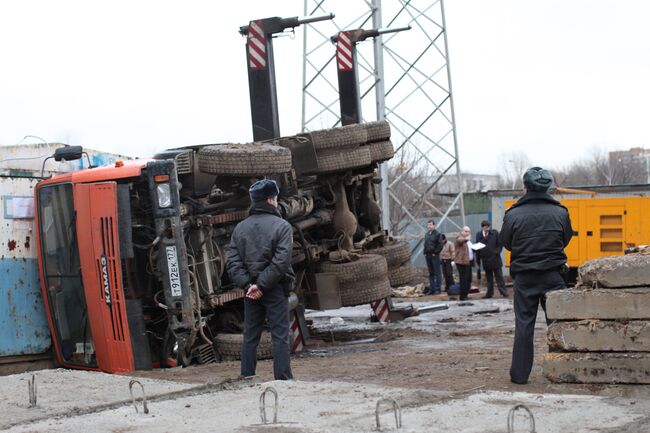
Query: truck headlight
{"points": [[164, 195]]}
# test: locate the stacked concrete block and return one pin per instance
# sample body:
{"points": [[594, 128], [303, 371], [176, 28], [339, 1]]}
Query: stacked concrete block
{"points": [[602, 328]]}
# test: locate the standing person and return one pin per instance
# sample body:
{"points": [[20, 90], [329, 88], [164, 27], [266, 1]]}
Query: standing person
{"points": [[490, 256], [446, 257], [536, 230], [259, 261], [463, 258], [432, 247]]}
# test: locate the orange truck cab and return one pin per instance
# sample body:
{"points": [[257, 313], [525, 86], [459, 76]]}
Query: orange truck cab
{"points": [[91, 276]]}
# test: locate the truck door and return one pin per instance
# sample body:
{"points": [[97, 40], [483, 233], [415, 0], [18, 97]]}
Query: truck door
{"points": [[98, 237], [605, 231]]}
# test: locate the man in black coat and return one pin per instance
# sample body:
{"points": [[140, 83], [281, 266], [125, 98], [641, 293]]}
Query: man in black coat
{"points": [[259, 261], [432, 248], [536, 230], [490, 256]]}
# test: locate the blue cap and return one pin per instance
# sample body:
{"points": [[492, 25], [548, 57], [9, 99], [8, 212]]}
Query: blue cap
{"points": [[263, 189]]}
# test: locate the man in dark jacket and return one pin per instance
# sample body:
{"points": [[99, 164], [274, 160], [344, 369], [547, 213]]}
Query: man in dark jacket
{"points": [[490, 256], [432, 248], [259, 261], [536, 230]]}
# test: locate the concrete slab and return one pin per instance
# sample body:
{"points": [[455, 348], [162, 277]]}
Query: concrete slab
{"points": [[597, 367], [600, 336], [631, 270], [328, 407], [61, 392], [579, 304]]}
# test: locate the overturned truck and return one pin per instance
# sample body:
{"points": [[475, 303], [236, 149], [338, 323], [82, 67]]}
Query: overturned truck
{"points": [[132, 255]]}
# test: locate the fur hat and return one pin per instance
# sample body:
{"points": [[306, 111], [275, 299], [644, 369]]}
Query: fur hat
{"points": [[263, 189], [537, 179]]}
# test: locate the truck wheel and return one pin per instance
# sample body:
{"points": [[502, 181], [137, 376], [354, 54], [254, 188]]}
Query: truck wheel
{"points": [[343, 159], [364, 291], [249, 159], [381, 151], [367, 266], [344, 136], [229, 346], [361, 281], [377, 131], [396, 254], [401, 275]]}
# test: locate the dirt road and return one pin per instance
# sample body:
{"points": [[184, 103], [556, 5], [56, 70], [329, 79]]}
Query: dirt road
{"points": [[466, 347]]}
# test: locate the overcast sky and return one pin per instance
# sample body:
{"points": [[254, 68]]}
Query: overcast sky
{"points": [[552, 78]]}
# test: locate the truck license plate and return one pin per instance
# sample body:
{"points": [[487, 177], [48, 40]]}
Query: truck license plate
{"points": [[174, 274]]}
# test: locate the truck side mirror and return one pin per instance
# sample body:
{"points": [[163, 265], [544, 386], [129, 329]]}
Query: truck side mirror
{"points": [[68, 153]]}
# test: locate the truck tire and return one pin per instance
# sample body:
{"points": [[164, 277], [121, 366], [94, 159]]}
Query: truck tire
{"points": [[343, 159], [364, 291], [367, 266], [401, 275], [377, 131], [344, 136], [361, 281], [381, 151], [229, 346], [396, 254], [249, 159]]}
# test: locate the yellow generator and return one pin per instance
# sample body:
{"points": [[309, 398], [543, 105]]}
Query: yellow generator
{"points": [[603, 227]]}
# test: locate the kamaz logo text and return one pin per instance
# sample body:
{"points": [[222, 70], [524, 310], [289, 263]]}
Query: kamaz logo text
{"points": [[107, 286]]}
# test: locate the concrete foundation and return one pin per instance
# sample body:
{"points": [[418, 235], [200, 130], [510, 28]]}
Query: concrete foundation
{"points": [[308, 407], [579, 304], [597, 367], [631, 270], [600, 336]]}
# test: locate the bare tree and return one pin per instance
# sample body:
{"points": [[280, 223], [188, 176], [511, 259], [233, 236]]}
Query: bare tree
{"points": [[513, 166]]}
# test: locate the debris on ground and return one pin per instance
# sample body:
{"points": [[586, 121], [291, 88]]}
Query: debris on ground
{"points": [[408, 291], [602, 333]]}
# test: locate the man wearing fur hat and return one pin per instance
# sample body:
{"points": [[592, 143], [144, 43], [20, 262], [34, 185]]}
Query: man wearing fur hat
{"points": [[536, 230], [259, 261]]}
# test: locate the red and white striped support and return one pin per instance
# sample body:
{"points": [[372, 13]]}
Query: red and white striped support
{"points": [[256, 45], [297, 342], [344, 52], [382, 309]]}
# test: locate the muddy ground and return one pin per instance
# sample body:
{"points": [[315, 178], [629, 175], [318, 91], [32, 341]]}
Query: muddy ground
{"points": [[466, 347], [447, 369]]}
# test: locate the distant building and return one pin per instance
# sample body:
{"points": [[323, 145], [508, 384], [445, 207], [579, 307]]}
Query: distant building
{"points": [[472, 182]]}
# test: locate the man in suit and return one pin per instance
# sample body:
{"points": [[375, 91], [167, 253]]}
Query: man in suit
{"points": [[432, 248], [490, 256]]}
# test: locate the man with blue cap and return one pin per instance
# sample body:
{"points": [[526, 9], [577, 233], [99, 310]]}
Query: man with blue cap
{"points": [[259, 261], [536, 230]]}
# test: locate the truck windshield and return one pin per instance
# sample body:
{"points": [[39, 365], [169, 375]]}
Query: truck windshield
{"points": [[62, 274]]}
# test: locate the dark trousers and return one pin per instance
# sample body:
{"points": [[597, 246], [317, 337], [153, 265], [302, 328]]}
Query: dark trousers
{"points": [[274, 306], [465, 277], [530, 291], [433, 263], [448, 272], [491, 275]]}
